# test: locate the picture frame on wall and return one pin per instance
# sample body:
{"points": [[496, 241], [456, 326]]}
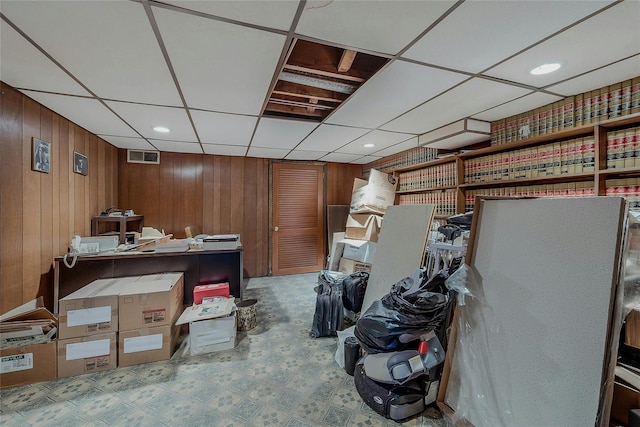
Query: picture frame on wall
{"points": [[41, 156], [80, 163]]}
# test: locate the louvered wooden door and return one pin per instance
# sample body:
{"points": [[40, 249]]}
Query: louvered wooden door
{"points": [[298, 218]]}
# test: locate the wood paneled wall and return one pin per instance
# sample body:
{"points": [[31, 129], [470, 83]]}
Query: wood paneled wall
{"points": [[40, 212], [219, 194], [339, 182]]}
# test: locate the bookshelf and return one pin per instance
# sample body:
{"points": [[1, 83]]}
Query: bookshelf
{"points": [[601, 159]]}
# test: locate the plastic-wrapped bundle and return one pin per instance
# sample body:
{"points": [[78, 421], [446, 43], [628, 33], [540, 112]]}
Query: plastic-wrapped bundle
{"points": [[414, 307], [329, 315], [355, 284]]}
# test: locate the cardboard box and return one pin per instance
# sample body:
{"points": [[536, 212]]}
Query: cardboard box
{"points": [[359, 250], [150, 300], [211, 326], [147, 345], [28, 364], [28, 347], [348, 266], [207, 336], [90, 310], [375, 195], [363, 227], [208, 291], [84, 355]]}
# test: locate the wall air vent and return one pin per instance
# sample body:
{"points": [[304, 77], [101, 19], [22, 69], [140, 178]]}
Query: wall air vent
{"points": [[141, 156]]}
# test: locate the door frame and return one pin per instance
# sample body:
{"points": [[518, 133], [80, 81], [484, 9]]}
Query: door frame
{"points": [[271, 204]]}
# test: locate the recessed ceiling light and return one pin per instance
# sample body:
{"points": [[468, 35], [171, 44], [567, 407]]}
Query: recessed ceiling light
{"points": [[161, 129], [369, 145], [546, 68]]}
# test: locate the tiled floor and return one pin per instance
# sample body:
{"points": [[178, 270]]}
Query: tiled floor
{"points": [[276, 376]]}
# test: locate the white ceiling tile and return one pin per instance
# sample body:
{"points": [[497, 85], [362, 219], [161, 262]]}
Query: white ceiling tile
{"points": [[220, 128], [267, 153], [329, 138], [406, 145], [366, 159], [274, 14], [615, 73], [124, 64], [359, 23], [517, 106], [379, 138], [305, 155], [281, 133], [130, 143], [224, 150], [25, 67], [177, 146], [340, 157], [495, 30], [402, 86], [144, 117], [221, 67], [86, 112], [581, 48], [460, 102]]}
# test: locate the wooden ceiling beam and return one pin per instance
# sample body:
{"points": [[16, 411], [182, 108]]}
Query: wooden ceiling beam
{"points": [[303, 91], [346, 60], [290, 109], [325, 73]]}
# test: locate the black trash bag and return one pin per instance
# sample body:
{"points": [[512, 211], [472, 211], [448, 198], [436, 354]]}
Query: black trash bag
{"points": [[410, 310], [355, 285], [329, 315]]}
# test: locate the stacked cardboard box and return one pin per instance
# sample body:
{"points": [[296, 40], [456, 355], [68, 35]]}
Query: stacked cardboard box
{"points": [[369, 200], [119, 322], [149, 307], [28, 346]]}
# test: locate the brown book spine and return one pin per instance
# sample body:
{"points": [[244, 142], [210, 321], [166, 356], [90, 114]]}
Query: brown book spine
{"points": [[627, 87], [533, 164], [635, 96], [602, 105], [636, 147], [611, 152], [557, 159], [579, 110], [629, 150], [577, 161], [564, 157], [615, 100], [568, 112], [589, 154]]}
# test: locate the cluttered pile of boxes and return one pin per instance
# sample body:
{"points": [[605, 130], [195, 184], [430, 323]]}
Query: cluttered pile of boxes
{"points": [[355, 249], [113, 323]]}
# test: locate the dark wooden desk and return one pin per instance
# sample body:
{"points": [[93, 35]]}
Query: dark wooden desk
{"points": [[199, 267]]}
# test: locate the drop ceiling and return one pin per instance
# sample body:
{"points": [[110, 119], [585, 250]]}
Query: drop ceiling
{"points": [[211, 70]]}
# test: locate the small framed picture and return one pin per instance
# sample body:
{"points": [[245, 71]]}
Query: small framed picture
{"points": [[80, 163], [41, 155]]}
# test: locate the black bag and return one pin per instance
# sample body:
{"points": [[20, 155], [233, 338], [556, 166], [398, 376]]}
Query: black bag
{"points": [[355, 284], [395, 402], [329, 315], [404, 314]]}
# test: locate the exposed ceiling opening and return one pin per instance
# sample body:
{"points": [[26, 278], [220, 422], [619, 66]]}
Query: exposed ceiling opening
{"points": [[315, 79]]}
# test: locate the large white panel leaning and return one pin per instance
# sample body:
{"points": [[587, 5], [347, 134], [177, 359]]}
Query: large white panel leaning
{"points": [[534, 349], [401, 247]]}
